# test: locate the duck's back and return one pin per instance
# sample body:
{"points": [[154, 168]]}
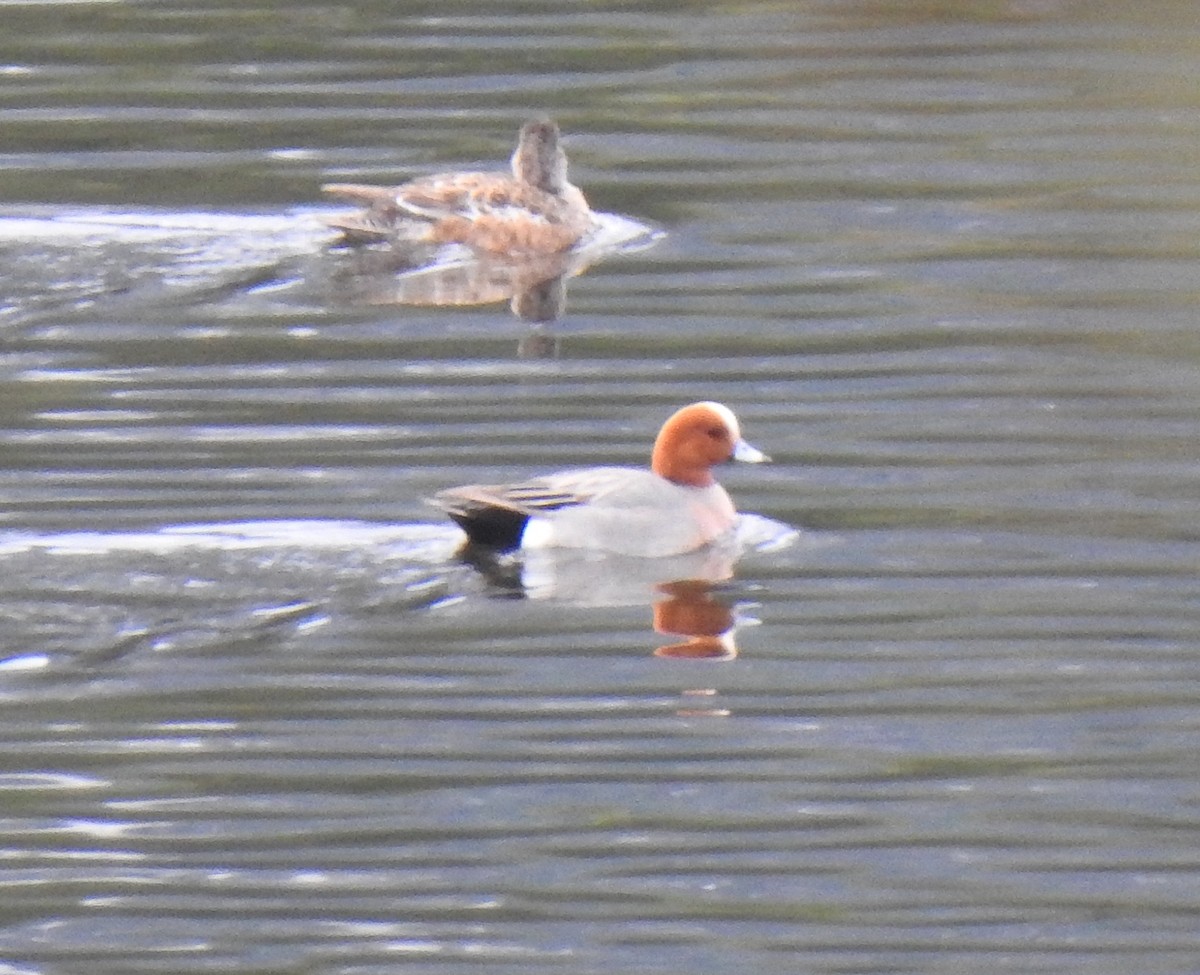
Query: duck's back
{"points": [[496, 213], [489, 212]]}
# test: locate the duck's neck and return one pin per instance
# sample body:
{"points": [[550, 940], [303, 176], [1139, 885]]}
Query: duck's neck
{"points": [[543, 165], [680, 470]]}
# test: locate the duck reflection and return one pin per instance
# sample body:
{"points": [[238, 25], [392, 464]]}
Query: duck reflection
{"points": [[534, 287], [689, 597], [699, 612]]}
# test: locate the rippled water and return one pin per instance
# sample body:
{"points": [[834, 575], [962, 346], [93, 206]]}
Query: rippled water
{"points": [[257, 715]]}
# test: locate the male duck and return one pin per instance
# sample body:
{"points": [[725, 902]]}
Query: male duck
{"points": [[677, 506]]}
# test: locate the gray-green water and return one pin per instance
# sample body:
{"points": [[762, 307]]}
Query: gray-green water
{"points": [[941, 258]]}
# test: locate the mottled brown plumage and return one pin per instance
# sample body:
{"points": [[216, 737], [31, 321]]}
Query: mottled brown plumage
{"points": [[535, 210]]}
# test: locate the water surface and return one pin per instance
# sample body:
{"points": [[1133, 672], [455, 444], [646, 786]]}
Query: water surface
{"points": [[257, 714]]}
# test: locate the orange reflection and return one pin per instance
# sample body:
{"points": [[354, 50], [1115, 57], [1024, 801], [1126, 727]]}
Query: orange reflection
{"points": [[692, 609]]}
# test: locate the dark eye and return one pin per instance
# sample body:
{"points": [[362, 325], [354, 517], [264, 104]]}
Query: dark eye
{"points": [[716, 433]]}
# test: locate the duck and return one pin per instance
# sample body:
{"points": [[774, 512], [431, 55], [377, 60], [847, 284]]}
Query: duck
{"points": [[674, 507], [533, 211]]}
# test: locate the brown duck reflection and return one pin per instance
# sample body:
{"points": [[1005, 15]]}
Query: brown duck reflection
{"points": [[534, 287], [399, 272]]}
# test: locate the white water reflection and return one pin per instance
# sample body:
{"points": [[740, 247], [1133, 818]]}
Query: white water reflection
{"points": [[100, 261], [107, 261], [251, 579], [940, 257], [421, 543]]}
